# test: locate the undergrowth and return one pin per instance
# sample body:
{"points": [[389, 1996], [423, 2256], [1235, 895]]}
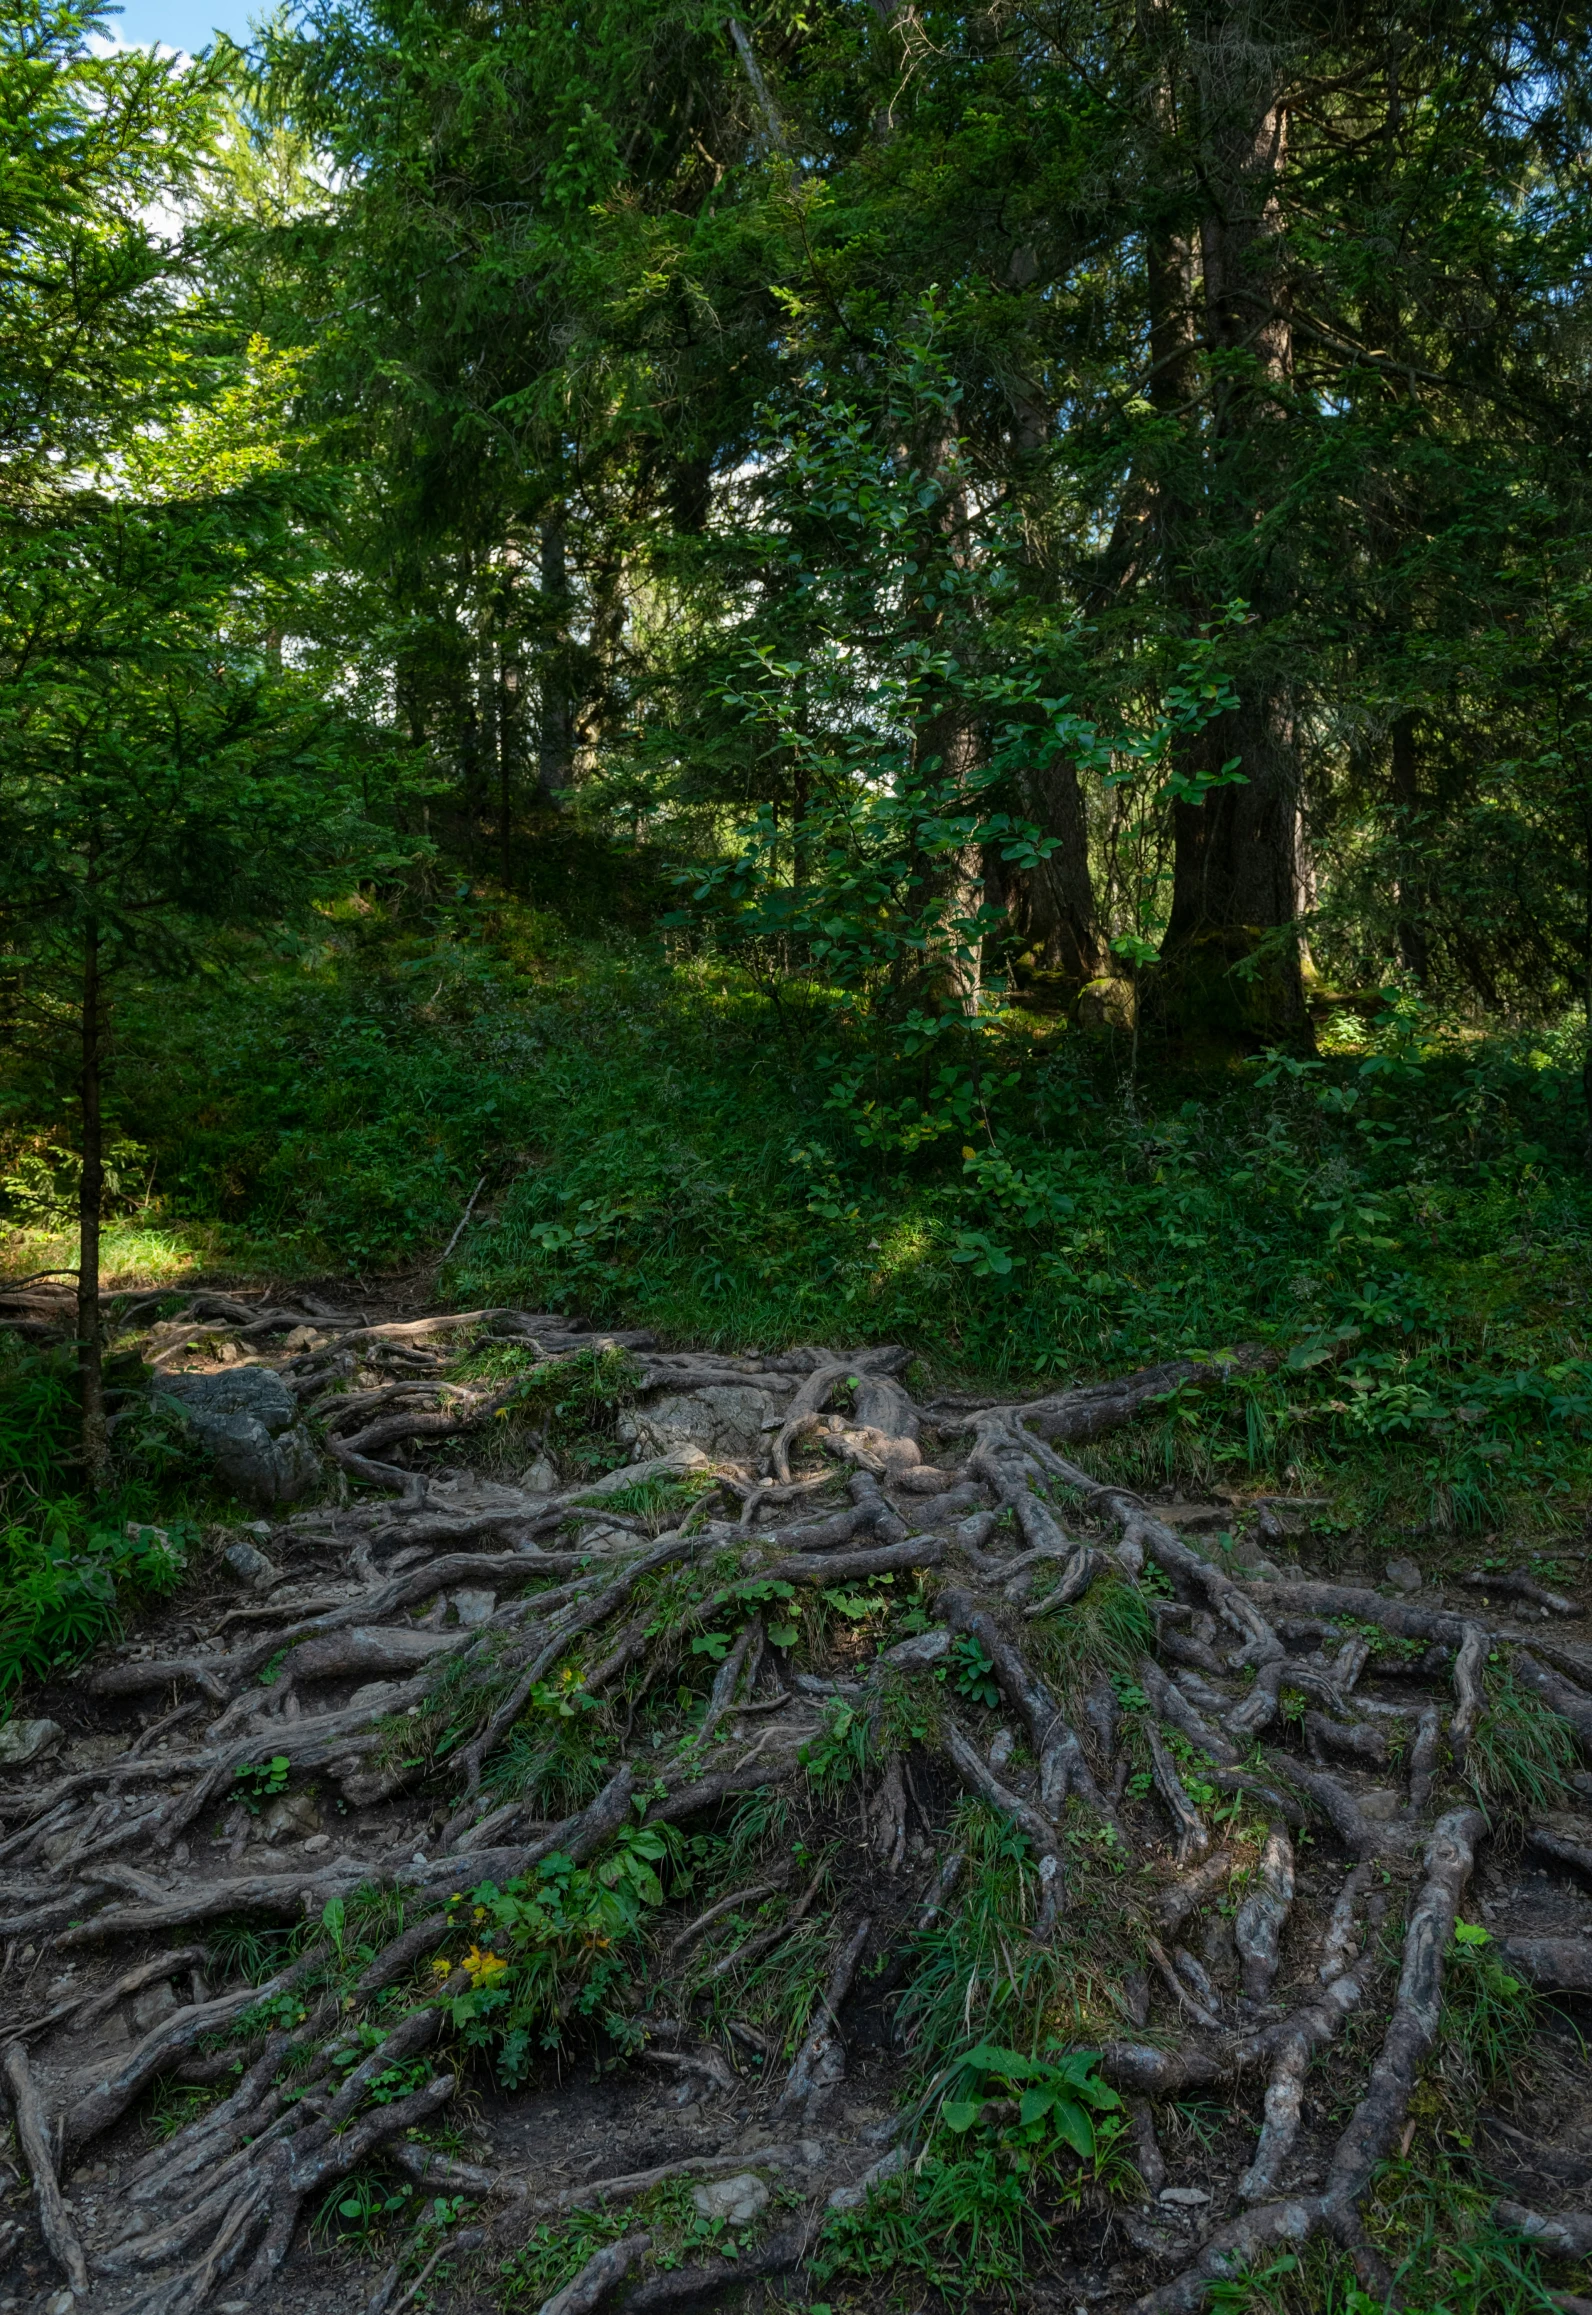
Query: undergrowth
{"points": [[1406, 1219]]}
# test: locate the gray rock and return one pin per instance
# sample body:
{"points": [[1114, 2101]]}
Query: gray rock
{"points": [[242, 1390], [723, 1418], [474, 1607], [252, 1566], [25, 1740], [152, 2007], [1405, 1574], [735, 2200], [292, 1813], [247, 1420], [374, 1694], [1183, 2197]]}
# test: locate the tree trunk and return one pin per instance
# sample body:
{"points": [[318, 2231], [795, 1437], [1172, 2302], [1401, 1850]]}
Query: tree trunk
{"points": [[91, 1190], [952, 741], [1231, 964], [556, 742], [1053, 902], [1413, 946], [511, 742], [486, 731]]}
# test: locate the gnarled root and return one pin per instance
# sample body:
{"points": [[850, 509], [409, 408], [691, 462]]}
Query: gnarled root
{"points": [[480, 1720], [1376, 2121]]}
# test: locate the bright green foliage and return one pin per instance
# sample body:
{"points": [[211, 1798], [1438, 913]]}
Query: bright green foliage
{"points": [[260, 1781], [544, 1950], [969, 1974], [1522, 1755], [65, 1584], [68, 1576], [1058, 2097], [968, 2212]]}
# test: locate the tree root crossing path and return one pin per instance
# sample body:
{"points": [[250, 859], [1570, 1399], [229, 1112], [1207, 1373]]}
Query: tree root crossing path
{"points": [[544, 1841]]}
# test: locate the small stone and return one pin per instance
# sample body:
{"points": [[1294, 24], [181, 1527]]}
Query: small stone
{"points": [[316, 1843], [251, 1566], [541, 1478], [735, 2200], [1000, 1751], [1185, 2197], [25, 1740], [62, 2303], [474, 1607], [152, 2007], [1405, 1574], [292, 1813]]}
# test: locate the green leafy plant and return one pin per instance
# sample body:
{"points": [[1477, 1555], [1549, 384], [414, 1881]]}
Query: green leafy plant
{"points": [[546, 1949], [1058, 2097], [363, 2207], [972, 1671], [255, 1782]]}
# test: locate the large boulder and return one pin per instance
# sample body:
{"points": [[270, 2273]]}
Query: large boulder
{"points": [[246, 1418], [726, 1419]]}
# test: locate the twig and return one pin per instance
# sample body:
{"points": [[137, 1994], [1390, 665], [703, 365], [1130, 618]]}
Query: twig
{"points": [[463, 1224]]}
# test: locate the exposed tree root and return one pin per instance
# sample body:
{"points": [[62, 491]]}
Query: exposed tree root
{"points": [[455, 1699]]}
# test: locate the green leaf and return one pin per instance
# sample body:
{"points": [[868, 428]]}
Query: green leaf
{"points": [[961, 2113], [1074, 2127]]}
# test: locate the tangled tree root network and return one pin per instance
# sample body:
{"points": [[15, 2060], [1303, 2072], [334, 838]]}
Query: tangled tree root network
{"points": [[894, 1741]]}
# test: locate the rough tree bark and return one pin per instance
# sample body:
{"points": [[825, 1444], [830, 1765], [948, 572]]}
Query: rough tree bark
{"points": [[91, 1191], [1227, 975], [556, 739]]}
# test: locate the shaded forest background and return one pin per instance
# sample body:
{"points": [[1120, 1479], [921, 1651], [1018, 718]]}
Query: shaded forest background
{"points": [[864, 670]]}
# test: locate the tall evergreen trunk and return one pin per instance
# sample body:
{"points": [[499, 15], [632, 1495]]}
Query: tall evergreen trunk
{"points": [[948, 753], [1231, 961], [555, 752], [486, 732], [953, 738], [511, 736], [1053, 902], [91, 1191], [1408, 893]]}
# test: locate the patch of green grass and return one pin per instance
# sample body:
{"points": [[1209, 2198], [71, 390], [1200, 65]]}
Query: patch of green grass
{"points": [[1484, 2044], [69, 1571], [660, 1502], [1522, 1754], [971, 1978], [1447, 2258], [1010, 2138], [556, 2251]]}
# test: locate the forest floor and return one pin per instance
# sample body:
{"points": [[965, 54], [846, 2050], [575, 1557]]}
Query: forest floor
{"points": [[654, 1824]]}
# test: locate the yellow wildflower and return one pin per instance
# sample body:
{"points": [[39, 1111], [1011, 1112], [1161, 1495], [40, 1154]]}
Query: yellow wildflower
{"points": [[483, 1967], [442, 1967]]}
